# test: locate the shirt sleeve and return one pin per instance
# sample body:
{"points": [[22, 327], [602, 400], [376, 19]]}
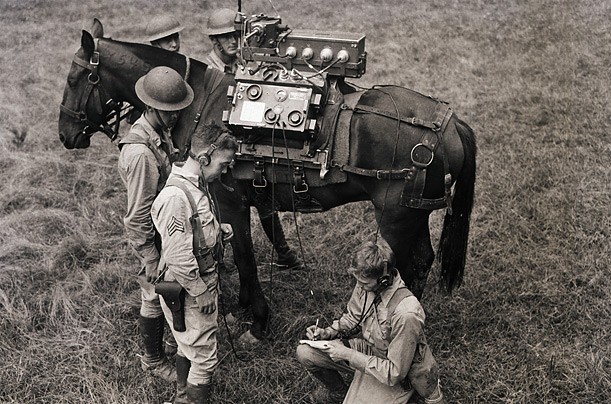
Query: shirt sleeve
{"points": [[407, 324], [171, 216], [141, 180]]}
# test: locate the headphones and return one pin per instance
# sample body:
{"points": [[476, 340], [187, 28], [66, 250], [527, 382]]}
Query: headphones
{"points": [[205, 158], [386, 279]]}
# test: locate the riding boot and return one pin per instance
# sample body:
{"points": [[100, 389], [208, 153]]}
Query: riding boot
{"points": [[273, 229], [334, 382], [182, 372], [154, 359], [199, 393]]}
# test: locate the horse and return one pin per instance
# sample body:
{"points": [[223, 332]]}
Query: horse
{"points": [[384, 150]]}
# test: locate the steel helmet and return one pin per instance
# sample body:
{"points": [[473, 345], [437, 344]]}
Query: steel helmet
{"points": [[221, 22], [161, 26], [164, 89]]}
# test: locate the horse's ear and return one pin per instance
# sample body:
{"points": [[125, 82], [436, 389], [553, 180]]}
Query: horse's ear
{"points": [[97, 30], [87, 43]]}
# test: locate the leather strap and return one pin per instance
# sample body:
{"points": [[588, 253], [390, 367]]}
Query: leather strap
{"points": [[422, 156], [409, 120], [196, 222], [378, 174]]}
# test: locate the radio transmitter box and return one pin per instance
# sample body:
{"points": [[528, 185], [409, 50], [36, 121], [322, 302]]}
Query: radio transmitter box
{"points": [[341, 53], [273, 98]]}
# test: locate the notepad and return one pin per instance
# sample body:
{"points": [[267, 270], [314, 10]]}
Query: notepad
{"points": [[315, 344]]}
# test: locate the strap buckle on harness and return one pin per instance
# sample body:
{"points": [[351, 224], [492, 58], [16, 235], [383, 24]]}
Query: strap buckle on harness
{"points": [[259, 180], [299, 184], [414, 155], [95, 59]]}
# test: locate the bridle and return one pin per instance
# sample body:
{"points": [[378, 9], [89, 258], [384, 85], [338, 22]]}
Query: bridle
{"points": [[109, 109]]}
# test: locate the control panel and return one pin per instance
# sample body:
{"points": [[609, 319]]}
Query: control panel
{"points": [[336, 53], [273, 98]]}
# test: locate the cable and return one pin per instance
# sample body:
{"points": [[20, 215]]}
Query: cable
{"points": [[392, 163], [293, 209], [212, 196]]}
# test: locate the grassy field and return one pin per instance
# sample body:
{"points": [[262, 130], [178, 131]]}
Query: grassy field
{"points": [[532, 320]]}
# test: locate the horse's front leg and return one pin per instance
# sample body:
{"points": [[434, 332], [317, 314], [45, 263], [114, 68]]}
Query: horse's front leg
{"points": [[251, 293]]}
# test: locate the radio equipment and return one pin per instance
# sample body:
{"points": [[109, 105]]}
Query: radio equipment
{"points": [[265, 39], [274, 98], [283, 82]]}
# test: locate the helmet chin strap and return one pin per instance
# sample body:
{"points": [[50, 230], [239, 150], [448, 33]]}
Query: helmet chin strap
{"points": [[164, 126]]}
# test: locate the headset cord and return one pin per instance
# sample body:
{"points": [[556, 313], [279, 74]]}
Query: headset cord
{"points": [[298, 234], [214, 202], [345, 335]]}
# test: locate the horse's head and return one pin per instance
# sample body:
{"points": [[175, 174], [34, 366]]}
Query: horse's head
{"points": [[90, 98]]}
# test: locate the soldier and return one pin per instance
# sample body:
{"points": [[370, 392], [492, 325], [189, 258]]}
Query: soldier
{"points": [[224, 57], [392, 359], [163, 31], [224, 38], [192, 239], [144, 165]]}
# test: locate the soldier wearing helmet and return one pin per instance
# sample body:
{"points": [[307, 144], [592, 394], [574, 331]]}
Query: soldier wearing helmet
{"points": [[163, 31], [144, 165], [222, 33]]}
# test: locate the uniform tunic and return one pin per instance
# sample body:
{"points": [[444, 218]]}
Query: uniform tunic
{"points": [[171, 212], [392, 345], [143, 167]]}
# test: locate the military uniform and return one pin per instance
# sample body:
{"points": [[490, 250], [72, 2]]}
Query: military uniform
{"points": [[392, 347], [171, 213], [144, 166], [215, 61]]}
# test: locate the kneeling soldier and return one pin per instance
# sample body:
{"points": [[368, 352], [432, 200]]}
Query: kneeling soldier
{"points": [[391, 359], [192, 243]]}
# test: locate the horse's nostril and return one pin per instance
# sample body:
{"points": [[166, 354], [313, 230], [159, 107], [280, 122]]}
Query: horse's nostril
{"points": [[62, 137]]}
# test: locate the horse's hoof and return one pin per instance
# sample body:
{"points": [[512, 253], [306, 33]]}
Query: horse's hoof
{"points": [[231, 319], [248, 339], [289, 261]]}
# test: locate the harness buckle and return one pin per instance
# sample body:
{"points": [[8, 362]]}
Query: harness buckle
{"points": [[414, 155], [92, 81], [95, 59], [299, 183], [259, 180]]}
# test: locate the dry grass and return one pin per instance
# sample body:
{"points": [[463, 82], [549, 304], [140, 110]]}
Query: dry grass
{"points": [[530, 323]]}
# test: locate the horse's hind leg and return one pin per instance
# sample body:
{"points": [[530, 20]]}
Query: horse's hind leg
{"points": [[407, 232], [423, 256]]}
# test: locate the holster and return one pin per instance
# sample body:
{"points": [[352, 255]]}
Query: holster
{"points": [[174, 296]]}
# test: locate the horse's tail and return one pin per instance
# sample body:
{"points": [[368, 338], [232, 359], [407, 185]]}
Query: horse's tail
{"points": [[452, 250]]}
